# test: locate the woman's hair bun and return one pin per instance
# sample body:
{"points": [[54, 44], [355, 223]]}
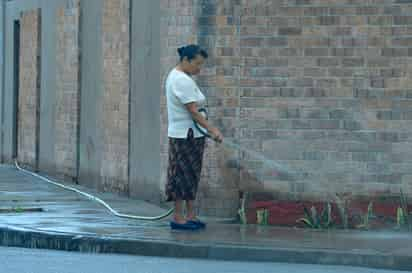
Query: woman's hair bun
{"points": [[191, 51], [181, 50]]}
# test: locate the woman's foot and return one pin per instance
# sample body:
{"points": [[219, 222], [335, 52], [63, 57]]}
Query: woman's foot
{"points": [[185, 226], [179, 220], [194, 220], [181, 223]]}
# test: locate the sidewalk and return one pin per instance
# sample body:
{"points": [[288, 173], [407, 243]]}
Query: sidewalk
{"points": [[71, 222]]}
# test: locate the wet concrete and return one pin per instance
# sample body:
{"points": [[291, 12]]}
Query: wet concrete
{"points": [[67, 216], [48, 261]]}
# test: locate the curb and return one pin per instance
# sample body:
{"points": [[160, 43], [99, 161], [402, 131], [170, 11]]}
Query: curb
{"points": [[28, 238]]}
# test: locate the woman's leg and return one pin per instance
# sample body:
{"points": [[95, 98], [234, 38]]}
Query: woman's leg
{"points": [[199, 146], [178, 216], [191, 215]]}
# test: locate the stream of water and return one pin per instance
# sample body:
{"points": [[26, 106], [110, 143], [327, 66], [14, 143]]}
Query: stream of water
{"points": [[269, 168]]}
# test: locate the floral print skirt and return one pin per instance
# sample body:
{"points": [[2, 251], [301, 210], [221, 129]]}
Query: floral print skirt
{"points": [[185, 166]]}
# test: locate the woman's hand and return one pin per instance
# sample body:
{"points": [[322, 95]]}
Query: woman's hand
{"points": [[216, 135], [200, 119]]}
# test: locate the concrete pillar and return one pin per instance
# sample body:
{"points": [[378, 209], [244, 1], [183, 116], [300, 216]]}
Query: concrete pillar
{"points": [[91, 92], [48, 85], [2, 34], [144, 159], [8, 100]]}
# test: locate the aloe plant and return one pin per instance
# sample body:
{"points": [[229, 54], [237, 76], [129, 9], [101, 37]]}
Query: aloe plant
{"points": [[315, 220], [342, 202], [307, 219], [326, 217]]}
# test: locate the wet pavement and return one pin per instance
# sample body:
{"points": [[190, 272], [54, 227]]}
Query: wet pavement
{"points": [[48, 261], [66, 212]]}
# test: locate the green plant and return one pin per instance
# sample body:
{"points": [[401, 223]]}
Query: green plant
{"points": [[400, 217], [241, 211], [262, 216], [342, 202], [308, 219], [402, 213], [315, 220], [18, 210], [327, 216], [366, 218]]}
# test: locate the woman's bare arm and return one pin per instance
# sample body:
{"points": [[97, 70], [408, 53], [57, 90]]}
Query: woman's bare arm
{"points": [[201, 120], [197, 116]]}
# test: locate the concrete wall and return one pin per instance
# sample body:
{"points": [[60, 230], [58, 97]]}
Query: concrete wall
{"points": [[91, 92]]}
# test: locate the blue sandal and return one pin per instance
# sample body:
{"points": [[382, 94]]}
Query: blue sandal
{"points": [[198, 223], [186, 226]]}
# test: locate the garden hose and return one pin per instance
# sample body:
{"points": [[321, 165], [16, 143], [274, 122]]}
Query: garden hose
{"points": [[203, 131], [96, 199]]}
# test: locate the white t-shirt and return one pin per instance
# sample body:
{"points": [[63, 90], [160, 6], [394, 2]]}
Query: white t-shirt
{"points": [[180, 90]]}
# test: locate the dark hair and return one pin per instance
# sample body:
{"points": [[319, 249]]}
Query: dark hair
{"points": [[191, 51]]}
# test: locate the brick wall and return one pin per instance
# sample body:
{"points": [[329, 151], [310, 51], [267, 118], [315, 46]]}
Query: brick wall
{"points": [[218, 29], [67, 92], [325, 90], [177, 27], [115, 106], [320, 87], [28, 100]]}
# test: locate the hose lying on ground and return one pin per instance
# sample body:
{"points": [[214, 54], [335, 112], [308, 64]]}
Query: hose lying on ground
{"points": [[96, 199]]}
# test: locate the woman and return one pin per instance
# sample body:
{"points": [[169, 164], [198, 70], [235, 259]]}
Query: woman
{"points": [[186, 143]]}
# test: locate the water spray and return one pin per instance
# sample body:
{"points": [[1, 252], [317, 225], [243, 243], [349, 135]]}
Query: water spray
{"points": [[276, 169]]}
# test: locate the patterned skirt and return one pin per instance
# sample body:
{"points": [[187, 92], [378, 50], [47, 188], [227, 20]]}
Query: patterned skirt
{"points": [[185, 166]]}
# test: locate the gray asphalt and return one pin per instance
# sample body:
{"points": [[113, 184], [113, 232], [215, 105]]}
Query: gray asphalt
{"points": [[18, 260]]}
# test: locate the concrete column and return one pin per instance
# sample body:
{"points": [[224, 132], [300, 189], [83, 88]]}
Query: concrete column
{"points": [[48, 85], [8, 91], [144, 155], [2, 42], [91, 90]]}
